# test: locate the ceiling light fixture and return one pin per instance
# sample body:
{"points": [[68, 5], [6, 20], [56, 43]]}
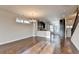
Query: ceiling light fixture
{"points": [[18, 20], [26, 22], [68, 26]]}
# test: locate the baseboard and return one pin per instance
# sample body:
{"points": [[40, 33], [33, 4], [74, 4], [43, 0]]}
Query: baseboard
{"points": [[18, 40], [14, 40]]}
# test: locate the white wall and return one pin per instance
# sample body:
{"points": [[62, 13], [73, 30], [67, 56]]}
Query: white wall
{"points": [[68, 32], [10, 30], [75, 37]]}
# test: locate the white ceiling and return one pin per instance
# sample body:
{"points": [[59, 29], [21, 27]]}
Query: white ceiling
{"points": [[50, 12]]}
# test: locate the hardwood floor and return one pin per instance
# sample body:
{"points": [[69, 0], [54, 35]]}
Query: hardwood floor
{"points": [[39, 45], [40, 48], [17, 46], [69, 48]]}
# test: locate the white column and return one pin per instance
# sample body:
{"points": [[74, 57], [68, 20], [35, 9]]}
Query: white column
{"points": [[34, 30]]}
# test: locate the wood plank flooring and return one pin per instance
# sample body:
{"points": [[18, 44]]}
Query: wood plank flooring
{"points": [[68, 47], [17, 46], [40, 48], [38, 45]]}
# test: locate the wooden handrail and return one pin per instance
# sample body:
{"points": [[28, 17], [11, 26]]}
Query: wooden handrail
{"points": [[75, 23]]}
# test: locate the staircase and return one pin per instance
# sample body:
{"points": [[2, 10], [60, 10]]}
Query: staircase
{"points": [[75, 32]]}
